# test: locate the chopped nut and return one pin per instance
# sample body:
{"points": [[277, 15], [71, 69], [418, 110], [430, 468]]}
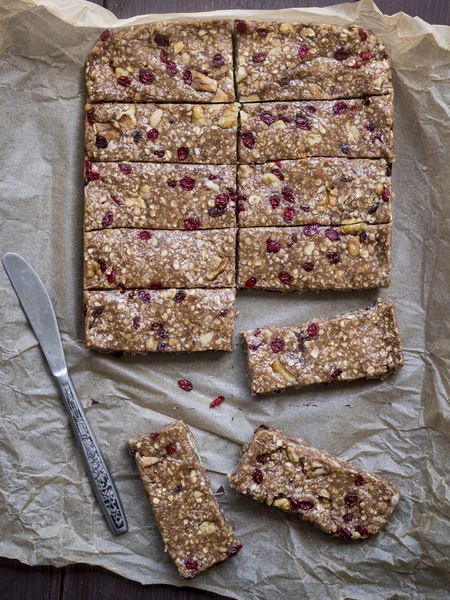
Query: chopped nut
{"points": [[178, 47], [156, 116], [198, 116], [206, 338], [229, 117], [281, 369], [148, 461], [241, 74], [208, 527], [213, 274], [282, 503], [203, 83], [270, 178]]}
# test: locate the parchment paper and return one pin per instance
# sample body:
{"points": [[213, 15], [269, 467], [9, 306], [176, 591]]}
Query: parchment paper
{"points": [[399, 428]]}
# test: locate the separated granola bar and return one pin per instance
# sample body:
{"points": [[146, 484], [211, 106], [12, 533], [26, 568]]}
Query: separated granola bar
{"points": [[302, 61], [159, 196], [327, 191], [177, 133], [141, 321], [331, 493], [196, 533], [349, 257], [364, 343], [360, 128], [138, 258], [168, 62]]}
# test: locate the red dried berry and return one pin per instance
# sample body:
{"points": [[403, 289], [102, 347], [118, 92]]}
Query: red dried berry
{"points": [[333, 257], [180, 296], [155, 285], [344, 148], [161, 347], [288, 214], [303, 52], [265, 427], [274, 202], [248, 140], [187, 183], [339, 108], [111, 277], [332, 234], [171, 449], [253, 347], [144, 296], [262, 458], [348, 517], [293, 240], [363, 237], [335, 374], [125, 168], [251, 282], [310, 230], [222, 200], [313, 329], [267, 118], [161, 40], [307, 266], [191, 565], [172, 183], [171, 68], [152, 134], [241, 26], [102, 264], [273, 246], [215, 211], [301, 122], [353, 110], [351, 499], [365, 56], [187, 77], [124, 81], [386, 195], [277, 345], [185, 385], [163, 57], [389, 169], [91, 116], [359, 480], [233, 551], [97, 311], [278, 173], [218, 60], [105, 35], [101, 142], [177, 489], [217, 401], [108, 218], [191, 224], [342, 54], [87, 165], [288, 194], [305, 505], [357, 64], [92, 175], [182, 153], [145, 235], [284, 118], [146, 77], [373, 209], [258, 476], [362, 530], [136, 322], [345, 533], [285, 277], [362, 35], [261, 31]]}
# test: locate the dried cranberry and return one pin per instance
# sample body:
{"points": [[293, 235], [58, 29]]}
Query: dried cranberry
{"points": [[180, 296], [233, 550], [365, 56], [386, 195], [277, 345], [366, 100], [278, 173], [137, 137], [218, 60], [217, 401], [105, 35], [288, 194], [163, 57], [342, 54], [144, 296], [303, 51], [87, 165], [345, 533], [248, 140], [373, 209], [377, 136], [351, 499], [161, 347], [267, 118], [146, 77], [172, 183], [362, 35], [102, 264], [285, 277], [307, 266], [171, 68], [273, 246], [136, 322], [293, 240], [161, 40], [304, 207], [241, 26], [348, 517], [388, 169], [92, 175], [232, 194], [301, 122], [177, 489], [357, 64], [313, 329], [353, 110], [333, 257], [159, 153], [185, 385], [191, 565], [262, 32], [91, 116], [171, 449], [124, 81], [359, 480], [155, 285], [152, 134], [187, 183], [108, 218], [258, 476], [362, 530], [284, 118], [97, 311], [303, 505], [345, 179], [125, 168], [222, 200], [253, 347], [192, 224], [288, 214], [332, 234], [145, 235], [101, 142], [339, 108], [262, 458], [260, 57], [257, 332], [274, 202], [344, 148], [241, 199], [182, 153], [310, 230], [265, 427], [187, 77], [111, 277], [363, 237], [215, 211], [251, 282]]}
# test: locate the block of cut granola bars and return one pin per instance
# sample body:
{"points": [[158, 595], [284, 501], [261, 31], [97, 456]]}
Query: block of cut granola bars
{"points": [[196, 533], [168, 62], [139, 258], [303, 61]]}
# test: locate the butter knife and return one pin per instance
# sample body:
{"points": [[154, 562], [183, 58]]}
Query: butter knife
{"points": [[38, 308]]}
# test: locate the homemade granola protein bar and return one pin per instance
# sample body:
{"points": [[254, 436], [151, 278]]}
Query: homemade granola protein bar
{"points": [[327, 191], [331, 493], [360, 128], [350, 257], [303, 61], [142, 321], [168, 62], [364, 343], [158, 196], [196, 533], [138, 258], [176, 133]]}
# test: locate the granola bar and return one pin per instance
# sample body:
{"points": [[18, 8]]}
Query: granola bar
{"points": [[141, 321], [327, 191], [177, 133], [329, 492], [364, 343], [303, 61], [168, 62], [360, 128], [350, 257], [159, 196], [138, 258], [196, 533]]}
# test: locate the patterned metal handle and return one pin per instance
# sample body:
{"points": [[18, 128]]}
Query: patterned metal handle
{"points": [[94, 461]]}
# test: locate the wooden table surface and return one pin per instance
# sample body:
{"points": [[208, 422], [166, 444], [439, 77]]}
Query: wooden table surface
{"points": [[83, 582]]}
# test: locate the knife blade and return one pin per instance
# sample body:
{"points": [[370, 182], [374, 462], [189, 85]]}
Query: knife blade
{"points": [[38, 308]]}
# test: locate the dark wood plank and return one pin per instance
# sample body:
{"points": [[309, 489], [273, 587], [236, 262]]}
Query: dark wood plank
{"points": [[20, 582]]}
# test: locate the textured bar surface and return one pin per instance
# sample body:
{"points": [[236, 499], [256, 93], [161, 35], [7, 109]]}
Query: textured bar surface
{"points": [[195, 531], [309, 61], [349, 257], [134, 258], [173, 320], [176, 133], [364, 343], [291, 130], [332, 494], [169, 62], [327, 191], [159, 196]]}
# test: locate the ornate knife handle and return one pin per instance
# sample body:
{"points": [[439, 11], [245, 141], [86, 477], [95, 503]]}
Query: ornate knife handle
{"points": [[94, 461]]}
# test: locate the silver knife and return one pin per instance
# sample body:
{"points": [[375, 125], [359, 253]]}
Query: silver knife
{"points": [[38, 308]]}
